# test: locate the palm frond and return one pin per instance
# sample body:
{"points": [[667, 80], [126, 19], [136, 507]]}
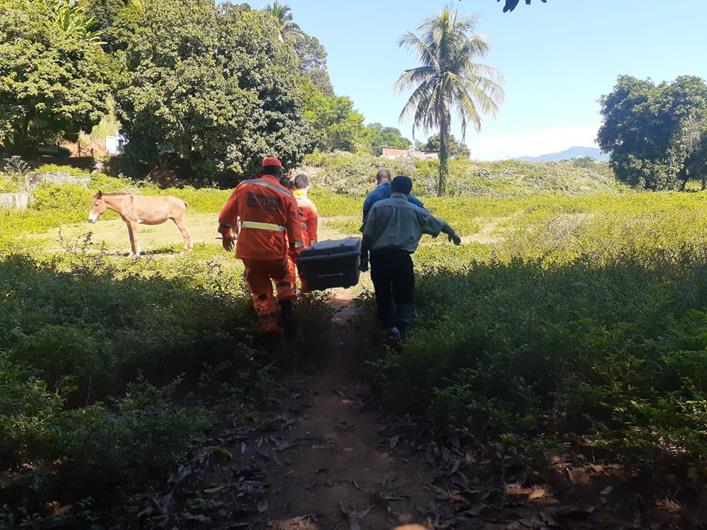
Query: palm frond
{"points": [[413, 76], [425, 54]]}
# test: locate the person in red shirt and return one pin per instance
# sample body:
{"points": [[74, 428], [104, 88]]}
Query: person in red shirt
{"points": [[310, 222], [263, 216]]}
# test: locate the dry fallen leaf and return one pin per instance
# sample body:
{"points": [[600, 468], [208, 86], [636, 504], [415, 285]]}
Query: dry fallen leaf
{"points": [[57, 509], [223, 451], [538, 493]]}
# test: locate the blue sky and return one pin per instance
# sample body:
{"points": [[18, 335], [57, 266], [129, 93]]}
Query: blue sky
{"points": [[557, 59]]}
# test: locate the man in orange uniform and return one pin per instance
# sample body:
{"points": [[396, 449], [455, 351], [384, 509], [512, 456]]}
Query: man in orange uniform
{"points": [[264, 215], [310, 222]]}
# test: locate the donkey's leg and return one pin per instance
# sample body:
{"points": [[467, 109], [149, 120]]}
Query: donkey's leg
{"points": [[134, 244], [184, 231]]}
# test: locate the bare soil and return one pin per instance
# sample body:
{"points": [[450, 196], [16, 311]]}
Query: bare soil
{"points": [[342, 472]]}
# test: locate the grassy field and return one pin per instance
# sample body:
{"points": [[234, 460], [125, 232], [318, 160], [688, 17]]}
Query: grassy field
{"points": [[561, 321], [350, 174]]}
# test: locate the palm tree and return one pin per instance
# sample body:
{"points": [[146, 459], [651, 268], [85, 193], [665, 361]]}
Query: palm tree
{"points": [[283, 15], [449, 78]]}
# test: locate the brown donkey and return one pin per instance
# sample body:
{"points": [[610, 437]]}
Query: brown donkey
{"points": [[141, 209]]}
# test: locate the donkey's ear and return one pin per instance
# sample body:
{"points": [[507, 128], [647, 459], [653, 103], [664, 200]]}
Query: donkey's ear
{"points": [[99, 195]]}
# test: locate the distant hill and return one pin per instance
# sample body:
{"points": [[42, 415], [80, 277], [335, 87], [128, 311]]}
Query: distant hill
{"points": [[568, 154]]}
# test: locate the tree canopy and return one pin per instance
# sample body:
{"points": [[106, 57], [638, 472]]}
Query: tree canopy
{"points": [[381, 136], [336, 125], [456, 148], [209, 88], [656, 134], [54, 75]]}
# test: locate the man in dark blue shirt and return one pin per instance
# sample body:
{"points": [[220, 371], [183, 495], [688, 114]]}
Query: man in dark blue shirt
{"points": [[382, 192]]}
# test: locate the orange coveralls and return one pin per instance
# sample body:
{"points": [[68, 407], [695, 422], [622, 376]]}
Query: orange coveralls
{"points": [[310, 224], [264, 215]]}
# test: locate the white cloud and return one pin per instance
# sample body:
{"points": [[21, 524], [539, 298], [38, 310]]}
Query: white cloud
{"points": [[533, 143]]}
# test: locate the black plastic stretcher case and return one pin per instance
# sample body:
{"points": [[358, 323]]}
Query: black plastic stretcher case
{"points": [[331, 263]]}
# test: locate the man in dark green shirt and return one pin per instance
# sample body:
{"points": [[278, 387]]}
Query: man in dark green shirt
{"points": [[391, 234]]}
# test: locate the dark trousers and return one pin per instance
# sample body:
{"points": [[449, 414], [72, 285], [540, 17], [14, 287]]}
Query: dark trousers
{"points": [[394, 282]]}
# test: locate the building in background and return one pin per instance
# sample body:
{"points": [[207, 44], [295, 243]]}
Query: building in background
{"points": [[115, 145], [394, 153]]}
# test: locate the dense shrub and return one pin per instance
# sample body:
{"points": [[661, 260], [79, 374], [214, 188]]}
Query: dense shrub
{"points": [[48, 451], [76, 331], [354, 175], [11, 182], [576, 327]]}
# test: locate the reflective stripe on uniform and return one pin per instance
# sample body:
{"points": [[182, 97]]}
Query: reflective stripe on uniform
{"points": [[262, 226], [271, 186]]}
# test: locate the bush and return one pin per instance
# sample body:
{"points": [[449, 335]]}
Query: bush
{"points": [[77, 330], [67, 197], [65, 454], [354, 175], [11, 182], [587, 322]]}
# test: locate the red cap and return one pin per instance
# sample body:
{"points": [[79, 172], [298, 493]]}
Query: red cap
{"points": [[271, 161]]}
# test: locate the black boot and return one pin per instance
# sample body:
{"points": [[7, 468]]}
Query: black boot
{"points": [[288, 320]]}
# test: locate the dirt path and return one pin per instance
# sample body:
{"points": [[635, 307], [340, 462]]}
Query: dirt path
{"points": [[320, 457], [342, 471]]}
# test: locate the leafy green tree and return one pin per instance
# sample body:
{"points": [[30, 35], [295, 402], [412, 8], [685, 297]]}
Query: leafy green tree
{"points": [[210, 90], [335, 123], [266, 69], [655, 132], [53, 74], [456, 148], [694, 140], [449, 77], [105, 12], [310, 51], [312, 56], [287, 29], [381, 136]]}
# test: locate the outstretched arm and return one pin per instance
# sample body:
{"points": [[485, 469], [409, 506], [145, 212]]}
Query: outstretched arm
{"points": [[451, 234]]}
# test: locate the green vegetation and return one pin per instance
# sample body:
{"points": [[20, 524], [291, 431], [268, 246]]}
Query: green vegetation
{"points": [[381, 136], [84, 343], [97, 353], [585, 325], [449, 78], [54, 76], [335, 123], [656, 134], [355, 175], [561, 320], [211, 88], [455, 148]]}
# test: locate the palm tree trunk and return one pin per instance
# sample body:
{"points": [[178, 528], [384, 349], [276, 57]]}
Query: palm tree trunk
{"points": [[443, 158]]}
